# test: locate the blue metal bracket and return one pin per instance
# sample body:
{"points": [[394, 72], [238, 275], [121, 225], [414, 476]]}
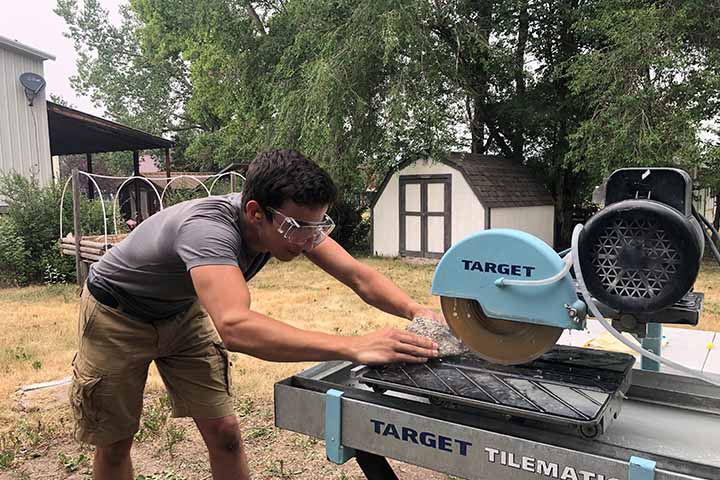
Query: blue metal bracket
{"points": [[641, 469], [652, 342], [336, 452]]}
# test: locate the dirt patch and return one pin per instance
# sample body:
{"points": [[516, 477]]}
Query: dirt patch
{"points": [[176, 452], [420, 260]]}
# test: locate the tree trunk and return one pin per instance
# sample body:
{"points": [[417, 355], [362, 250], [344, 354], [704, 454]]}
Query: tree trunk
{"points": [[255, 18], [716, 219], [559, 209], [479, 87], [518, 138], [477, 126], [565, 186]]}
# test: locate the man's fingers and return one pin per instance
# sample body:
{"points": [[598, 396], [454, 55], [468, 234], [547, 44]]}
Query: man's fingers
{"points": [[401, 357], [411, 338], [416, 351]]}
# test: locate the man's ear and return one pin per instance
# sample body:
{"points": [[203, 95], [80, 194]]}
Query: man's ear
{"points": [[254, 211]]}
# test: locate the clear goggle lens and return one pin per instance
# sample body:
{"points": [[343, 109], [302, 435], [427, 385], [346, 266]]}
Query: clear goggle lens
{"points": [[300, 233]]}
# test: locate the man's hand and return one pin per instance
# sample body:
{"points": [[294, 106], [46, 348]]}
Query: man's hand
{"points": [[389, 345]]}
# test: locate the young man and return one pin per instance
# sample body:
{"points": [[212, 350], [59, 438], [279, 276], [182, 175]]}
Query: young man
{"points": [[175, 292]]}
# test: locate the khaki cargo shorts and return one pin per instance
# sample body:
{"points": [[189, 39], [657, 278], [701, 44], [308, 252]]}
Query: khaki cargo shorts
{"points": [[111, 367]]}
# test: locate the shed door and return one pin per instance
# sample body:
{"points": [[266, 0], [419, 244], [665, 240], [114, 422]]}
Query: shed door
{"points": [[424, 215]]}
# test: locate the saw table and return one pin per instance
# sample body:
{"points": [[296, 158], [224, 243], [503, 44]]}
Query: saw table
{"points": [[669, 427]]}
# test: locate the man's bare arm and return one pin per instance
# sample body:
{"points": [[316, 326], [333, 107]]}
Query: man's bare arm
{"points": [[224, 293], [372, 286]]}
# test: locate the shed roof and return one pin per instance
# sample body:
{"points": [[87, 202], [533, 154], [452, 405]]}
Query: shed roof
{"points": [[17, 47], [497, 182], [73, 131]]}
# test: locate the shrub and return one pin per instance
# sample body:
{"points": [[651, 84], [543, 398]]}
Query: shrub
{"points": [[13, 254], [351, 229], [177, 195], [29, 249]]}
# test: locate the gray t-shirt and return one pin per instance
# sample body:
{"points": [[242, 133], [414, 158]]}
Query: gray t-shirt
{"points": [[148, 273]]}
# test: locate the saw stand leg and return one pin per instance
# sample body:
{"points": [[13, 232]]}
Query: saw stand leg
{"points": [[374, 466]]}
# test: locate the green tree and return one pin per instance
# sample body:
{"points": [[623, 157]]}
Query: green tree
{"points": [[573, 89], [651, 82]]}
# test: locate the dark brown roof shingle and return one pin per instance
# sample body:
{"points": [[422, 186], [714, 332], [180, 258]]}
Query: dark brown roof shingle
{"points": [[497, 182], [500, 182]]}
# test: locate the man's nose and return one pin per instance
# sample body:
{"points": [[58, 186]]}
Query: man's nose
{"points": [[308, 245]]}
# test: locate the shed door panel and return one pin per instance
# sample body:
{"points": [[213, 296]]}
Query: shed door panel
{"points": [[436, 197], [424, 215], [436, 235], [412, 197], [413, 234]]}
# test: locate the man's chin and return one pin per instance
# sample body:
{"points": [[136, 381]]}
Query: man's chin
{"points": [[287, 256]]}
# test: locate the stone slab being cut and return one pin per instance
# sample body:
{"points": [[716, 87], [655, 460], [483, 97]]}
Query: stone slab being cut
{"points": [[448, 344]]}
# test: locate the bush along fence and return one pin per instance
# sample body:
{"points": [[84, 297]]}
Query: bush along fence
{"points": [[32, 252]]}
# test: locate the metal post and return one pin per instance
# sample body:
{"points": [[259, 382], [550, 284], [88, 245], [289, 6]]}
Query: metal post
{"points": [[89, 169], [80, 267], [652, 342], [136, 182], [168, 170], [233, 183]]}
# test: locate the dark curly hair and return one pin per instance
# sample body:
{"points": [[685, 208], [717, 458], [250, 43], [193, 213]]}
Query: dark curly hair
{"points": [[278, 175]]}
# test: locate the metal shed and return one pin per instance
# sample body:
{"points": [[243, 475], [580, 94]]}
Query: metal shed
{"points": [[24, 139], [421, 208]]}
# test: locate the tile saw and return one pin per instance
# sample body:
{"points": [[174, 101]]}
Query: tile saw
{"points": [[505, 412]]}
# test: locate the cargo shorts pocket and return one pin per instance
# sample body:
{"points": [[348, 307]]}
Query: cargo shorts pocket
{"points": [[225, 366], [84, 400], [86, 318]]}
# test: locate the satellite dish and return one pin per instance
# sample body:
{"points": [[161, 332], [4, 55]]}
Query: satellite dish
{"points": [[33, 84]]}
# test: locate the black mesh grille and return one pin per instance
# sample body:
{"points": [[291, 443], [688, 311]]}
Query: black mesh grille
{"points": [[654, 257]]}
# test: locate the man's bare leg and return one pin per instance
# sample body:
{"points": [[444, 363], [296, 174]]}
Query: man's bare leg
{"points": [[224, 443], [112, 462]]}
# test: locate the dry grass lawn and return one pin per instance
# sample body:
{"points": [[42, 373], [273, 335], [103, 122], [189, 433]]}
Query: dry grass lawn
{"points": [[37, 342]]}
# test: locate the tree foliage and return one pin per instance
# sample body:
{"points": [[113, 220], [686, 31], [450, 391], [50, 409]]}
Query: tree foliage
{"points": [[572, 88]]}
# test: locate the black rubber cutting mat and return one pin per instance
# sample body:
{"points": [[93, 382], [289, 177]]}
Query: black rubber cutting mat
{"points": [[575, 384]]}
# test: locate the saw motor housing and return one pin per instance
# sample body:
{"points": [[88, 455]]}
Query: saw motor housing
{"points": [[640, 255]]}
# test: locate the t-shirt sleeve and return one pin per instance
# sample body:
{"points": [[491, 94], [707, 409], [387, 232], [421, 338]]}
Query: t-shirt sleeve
{"points": [[203, 241]]}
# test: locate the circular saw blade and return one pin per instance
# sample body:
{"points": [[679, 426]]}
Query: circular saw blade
{"points": [[499, 341]]}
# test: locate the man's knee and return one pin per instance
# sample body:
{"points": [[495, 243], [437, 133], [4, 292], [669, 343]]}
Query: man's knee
{"points": [[224, 434], [115, 453]]}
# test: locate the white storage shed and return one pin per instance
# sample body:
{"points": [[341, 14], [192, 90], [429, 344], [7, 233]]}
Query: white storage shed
{"points": [[423, 207]]}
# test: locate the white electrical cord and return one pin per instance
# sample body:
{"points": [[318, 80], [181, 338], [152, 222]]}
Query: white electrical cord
{"points": [[538, 283], [596, 313]]}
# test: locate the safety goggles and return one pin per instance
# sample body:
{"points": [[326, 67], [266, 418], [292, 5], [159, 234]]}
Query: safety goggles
{"points": [[300, 232]]}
